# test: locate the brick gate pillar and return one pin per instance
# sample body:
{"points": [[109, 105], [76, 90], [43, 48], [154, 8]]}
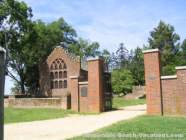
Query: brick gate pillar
{"points": [[74, 88], [153, 81], [2, 83], [95, 84]]}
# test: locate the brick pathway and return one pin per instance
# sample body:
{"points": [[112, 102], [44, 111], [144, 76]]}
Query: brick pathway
{"points": [[75, 125]]}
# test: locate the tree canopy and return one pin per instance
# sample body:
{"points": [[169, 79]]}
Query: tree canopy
{"points": [[29, 43], [122, 81], [166, 40]]}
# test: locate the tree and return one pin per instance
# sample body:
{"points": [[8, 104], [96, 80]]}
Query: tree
{"points": [[107, 59], [29, 42], [122, 81], [136, 66], [113, 62], [84, 48], [16, 36], [122, 56], [48, 37], [165, 38], [183, 53]]}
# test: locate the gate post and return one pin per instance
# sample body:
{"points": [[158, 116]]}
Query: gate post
{"points": [[95, 84], [153, 82], [2, 83]]}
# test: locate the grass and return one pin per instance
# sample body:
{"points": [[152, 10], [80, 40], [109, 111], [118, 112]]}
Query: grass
{"points": [[141, 125], [13, 115], [121, 102]]}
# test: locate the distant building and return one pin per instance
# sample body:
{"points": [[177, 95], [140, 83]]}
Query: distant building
{"points": [[64, 74]]}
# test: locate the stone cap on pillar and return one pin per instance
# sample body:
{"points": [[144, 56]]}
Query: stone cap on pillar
{"points": [[151, 50], [74, 77], [181, 68], [95, 58], [168, 77]]}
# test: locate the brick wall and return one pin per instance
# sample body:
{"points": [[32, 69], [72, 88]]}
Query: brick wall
{"points": [[153, 83], [95, 84], [74, 90], [73, 68], [166, 95], [5, 102], [174, 93], [61, 103], [83, 97], [94, 78]]}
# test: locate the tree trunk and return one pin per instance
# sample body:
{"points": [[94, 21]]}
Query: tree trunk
{"points": [[22, 88]]}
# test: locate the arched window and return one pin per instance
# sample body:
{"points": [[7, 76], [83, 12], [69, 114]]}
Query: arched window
{"points": [[64, 66], [52, 67], [65, 83], [56, 84], [58, 74], [65, 74], [51, 75], [60, 66], [56, 66], [51, 85], [60, 84]]}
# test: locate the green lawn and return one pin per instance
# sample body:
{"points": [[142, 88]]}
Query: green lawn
{"points": [[13, 115], [121, 102], [141, 125]]}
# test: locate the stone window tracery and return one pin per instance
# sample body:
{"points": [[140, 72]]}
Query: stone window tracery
{"points": [[58, 74]]}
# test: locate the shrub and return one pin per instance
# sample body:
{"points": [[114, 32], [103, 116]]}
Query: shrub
{"points": [[122, 81]]}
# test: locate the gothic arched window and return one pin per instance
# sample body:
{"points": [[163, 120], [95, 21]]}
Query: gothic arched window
{"points": [[58, 74]]}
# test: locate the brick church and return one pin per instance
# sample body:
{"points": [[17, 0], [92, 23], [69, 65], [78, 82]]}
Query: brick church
{"points": [[86, 83]]}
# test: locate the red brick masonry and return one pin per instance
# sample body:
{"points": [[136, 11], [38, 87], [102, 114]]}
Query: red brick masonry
{"points": [[63, 74], [166, 95]]}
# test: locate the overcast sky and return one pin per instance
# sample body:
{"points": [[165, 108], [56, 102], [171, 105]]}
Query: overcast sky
{"points": [[111, 22]]}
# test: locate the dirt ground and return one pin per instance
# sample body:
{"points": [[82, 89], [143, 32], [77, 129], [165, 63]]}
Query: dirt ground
{"points": [[75, 125]]}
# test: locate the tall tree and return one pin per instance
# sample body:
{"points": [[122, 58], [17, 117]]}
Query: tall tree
{"points": [[16, 35], [107, 59], [84, 48], [165, 38], [183, 48], [48, 37], [122, 56], [136, 66], [29, 43]]}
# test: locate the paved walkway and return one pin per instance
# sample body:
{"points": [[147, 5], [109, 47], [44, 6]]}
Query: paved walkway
{"points": [[75, 125]]}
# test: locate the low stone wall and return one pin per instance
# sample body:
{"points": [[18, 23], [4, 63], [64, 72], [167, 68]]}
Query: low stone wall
{"points": [[61, 103], [6, 102]]}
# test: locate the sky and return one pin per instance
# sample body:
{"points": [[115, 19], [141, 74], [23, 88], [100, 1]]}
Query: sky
{"points": [[111, 22]]}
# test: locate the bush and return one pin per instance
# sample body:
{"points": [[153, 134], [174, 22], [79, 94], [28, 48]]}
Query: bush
{"points": [[122, 81]]}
